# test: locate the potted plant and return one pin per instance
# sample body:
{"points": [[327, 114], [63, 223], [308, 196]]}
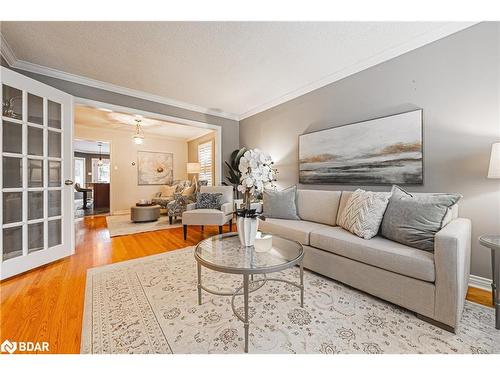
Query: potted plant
{"points": [[257, 173], [234, 174]]}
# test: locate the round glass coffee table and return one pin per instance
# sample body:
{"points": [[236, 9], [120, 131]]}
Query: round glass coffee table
{"points": [[224, 253]]}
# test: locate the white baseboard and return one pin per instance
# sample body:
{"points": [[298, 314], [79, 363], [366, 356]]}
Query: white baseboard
{"points": [[480, 282]]}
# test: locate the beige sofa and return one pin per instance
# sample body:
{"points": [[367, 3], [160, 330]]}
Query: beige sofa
{"points": [[433, 285]]}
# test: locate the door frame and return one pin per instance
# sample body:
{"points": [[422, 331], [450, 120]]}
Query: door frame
{"points": [[159, 116]]}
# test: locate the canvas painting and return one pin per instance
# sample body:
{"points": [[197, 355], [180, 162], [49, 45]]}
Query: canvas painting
{"points": [[382, 151], [155, 168]]}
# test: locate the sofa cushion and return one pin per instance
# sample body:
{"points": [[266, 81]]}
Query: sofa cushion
{"points": [[378, 251], [414, 220], [204, 216], [319, 206], [297, 230]]}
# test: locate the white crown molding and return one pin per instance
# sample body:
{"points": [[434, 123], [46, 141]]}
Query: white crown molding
{"points": [[480, 282], [6, 51], [14, 62], [388, 54]]}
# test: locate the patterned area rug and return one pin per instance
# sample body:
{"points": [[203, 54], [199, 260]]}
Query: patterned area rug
{"points": [[149, 305], [120, 225]]}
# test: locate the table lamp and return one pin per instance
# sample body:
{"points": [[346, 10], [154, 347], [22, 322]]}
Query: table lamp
{"points": [[494, 170], [193, 168]]}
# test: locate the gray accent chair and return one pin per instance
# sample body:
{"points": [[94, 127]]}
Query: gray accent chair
{"points": [[432, 284], [206, 216]]}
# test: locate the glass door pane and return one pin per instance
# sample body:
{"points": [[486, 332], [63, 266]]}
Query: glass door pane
{"points": [[35, 237], [54, 115], [12, 137], [35, 141], [12, 242], [12, 172], [35, 109], [12, 105], [12, 207]]}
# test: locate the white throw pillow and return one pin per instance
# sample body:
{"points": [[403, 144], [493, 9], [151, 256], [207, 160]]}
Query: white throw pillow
{"points": [[363, 213]]}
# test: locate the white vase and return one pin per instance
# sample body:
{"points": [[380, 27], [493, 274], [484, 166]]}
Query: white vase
{"points": [[247, 230]]}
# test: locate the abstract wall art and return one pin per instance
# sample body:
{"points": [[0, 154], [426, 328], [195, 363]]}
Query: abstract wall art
{"points": [[381, 151]]}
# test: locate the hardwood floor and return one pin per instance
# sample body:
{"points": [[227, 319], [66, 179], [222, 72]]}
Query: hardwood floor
{"points": [[46, 304]]}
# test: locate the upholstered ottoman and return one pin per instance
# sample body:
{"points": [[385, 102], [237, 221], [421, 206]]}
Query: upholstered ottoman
{"points": [[139, 214]]}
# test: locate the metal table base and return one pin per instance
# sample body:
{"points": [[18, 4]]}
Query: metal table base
{"points": [[248, 281]]}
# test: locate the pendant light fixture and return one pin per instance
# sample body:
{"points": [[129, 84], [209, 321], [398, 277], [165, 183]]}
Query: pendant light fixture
{"points": [[100, 162], [139, 133]]}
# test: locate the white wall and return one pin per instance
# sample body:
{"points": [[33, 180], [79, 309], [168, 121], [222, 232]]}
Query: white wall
{"points": [[124, 190]]}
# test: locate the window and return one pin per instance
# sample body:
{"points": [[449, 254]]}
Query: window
{"points": [[100, 173], [80, 171], [205, 160]]}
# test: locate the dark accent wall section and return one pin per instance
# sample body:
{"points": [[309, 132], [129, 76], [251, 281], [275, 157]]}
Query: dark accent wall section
{"points": [[456, 80]]}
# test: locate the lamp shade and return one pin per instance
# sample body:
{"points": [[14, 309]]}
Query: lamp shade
{"points": [[193, 168], [494, 170]]}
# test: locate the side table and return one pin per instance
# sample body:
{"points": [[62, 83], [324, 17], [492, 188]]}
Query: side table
{"points": [[493, 242]]}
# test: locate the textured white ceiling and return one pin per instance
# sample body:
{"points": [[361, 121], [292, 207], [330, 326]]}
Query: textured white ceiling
{"points": [[234, 67], [97, 118]]}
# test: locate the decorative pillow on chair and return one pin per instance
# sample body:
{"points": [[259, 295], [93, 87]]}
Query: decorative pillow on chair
{"points": [[190, 190], [414, 220], [363, 213], [281, 204], [209, 200], [167, 190]]}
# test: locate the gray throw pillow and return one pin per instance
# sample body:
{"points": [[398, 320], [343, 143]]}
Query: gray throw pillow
{"points": [[280, 204], [414, 220], [209, 200]]}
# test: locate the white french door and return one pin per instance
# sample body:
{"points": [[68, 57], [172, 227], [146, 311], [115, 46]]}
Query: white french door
{"points": [[36, 205]]}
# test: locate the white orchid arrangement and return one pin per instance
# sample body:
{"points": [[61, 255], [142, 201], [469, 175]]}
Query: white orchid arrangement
{"points": [[257, 172]]}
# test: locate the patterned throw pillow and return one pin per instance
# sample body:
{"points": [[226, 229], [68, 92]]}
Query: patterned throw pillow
{"points": [[363, 213], [209, 200]]}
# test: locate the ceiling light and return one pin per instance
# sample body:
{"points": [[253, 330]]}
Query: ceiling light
{"points": [[100, 162], [139, 133]]}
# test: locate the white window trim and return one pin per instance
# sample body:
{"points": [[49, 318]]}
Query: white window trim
{"points": [[206, 167]]}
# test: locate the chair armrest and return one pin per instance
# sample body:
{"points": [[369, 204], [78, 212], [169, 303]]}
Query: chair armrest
{"points": [[191, 206], [452, 247], [227, 208]]}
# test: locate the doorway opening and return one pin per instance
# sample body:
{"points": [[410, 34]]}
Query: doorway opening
{"points": [[92, 177]]}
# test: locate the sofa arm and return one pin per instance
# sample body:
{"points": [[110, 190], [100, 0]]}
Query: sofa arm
{"points": [[227, 208], [191, 206], [452, 247]]}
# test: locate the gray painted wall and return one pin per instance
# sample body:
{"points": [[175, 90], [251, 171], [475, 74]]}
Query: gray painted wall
{"points": [[230, 128], [456, 80]]}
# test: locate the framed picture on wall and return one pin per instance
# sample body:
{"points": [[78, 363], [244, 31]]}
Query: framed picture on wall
{"points": [[155, 168], [382, 151]]}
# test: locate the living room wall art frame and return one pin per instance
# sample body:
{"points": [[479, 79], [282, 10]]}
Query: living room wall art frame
{"points": [[381, 151], [155, 168]]}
